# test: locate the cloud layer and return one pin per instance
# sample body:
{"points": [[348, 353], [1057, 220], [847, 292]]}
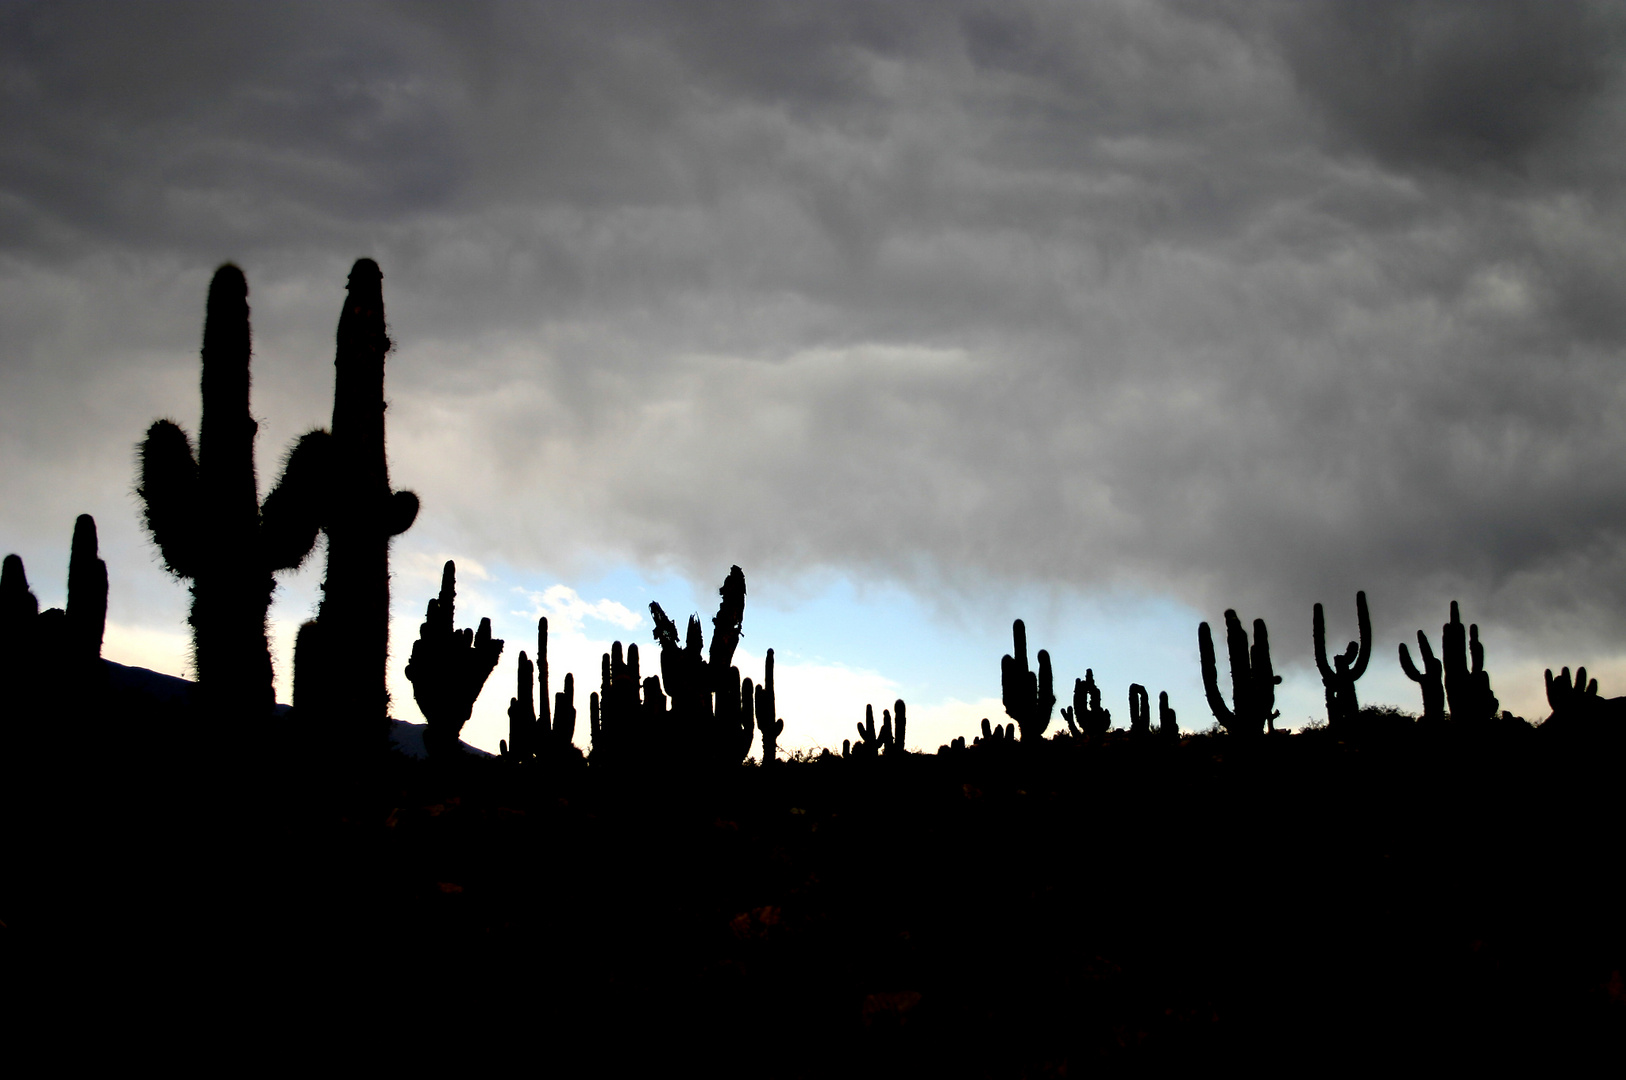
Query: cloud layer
{"points": [[1247, 305]]}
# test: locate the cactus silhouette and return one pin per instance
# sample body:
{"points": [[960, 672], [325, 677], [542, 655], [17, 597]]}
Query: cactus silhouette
{"points": [[995, 734], [1168, 726], [1430, 679], [768, 722], [870, 742], [532, 734], [1029, 698], [1338, 678], [1578, 707], [900, 727], [1253, 681], [1467, 683], [1140, 711], [708, 702], [1085, 717], [348, 642], [204, 513], [449, 667]]}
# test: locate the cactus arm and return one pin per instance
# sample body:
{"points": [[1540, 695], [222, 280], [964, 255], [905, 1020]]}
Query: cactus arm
{"points": [[169, 496], [1318, 633], [87, 593], [1265, 680], [1364, 622], [1205, 650], [522, 711], [543, 697], [726, 624], [564, 713], [1046, 695], [1410, 668], [400, 511], [292, 514]]}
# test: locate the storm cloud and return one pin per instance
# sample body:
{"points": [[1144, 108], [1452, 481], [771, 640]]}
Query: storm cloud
{"points": [[1245, 305]]}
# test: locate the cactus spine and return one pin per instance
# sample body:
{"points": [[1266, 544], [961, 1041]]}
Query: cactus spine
{"points": [[205, 515], [1338, 678], [349, 639], [1029, 698], [1253, 681]]}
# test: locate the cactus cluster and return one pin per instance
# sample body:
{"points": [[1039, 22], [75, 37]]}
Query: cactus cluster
{"points": [[1085, 717], [1253, 680], [534, 734], [887, 741], [44, 654]]}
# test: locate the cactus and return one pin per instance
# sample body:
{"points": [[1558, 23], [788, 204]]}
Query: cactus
{"points": [[1578, 707], [1029, 699], [1085, 717], [900, 724], [1338, 678], [349, 641], [1140, 711], [204, 513], [1253, 681], [995, 733], [870, 742], [1168, 726], [1430, 679], [1467, 688], [532, 733], [707, 701], [768, 722], [449, 667]]}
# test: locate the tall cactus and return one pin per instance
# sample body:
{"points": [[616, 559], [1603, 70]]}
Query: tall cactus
{"points": [[1467, 683], [349, 639], [449, 667], [768, 722], [1253, 680], [1338, 678], [531, 732], [1140, 711], [205, 514], [1029, 698], [707, 702], [1430, 679]]}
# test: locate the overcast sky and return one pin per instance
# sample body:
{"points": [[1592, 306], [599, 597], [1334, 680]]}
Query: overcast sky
{"points": [[1109, 316]]}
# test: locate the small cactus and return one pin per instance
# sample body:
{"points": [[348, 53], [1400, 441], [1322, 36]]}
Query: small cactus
{"points": [[1168, 726], [1085, 717], [1253, 681], [449, 667], [768, 722], [1140, 711], [1467, 683]]}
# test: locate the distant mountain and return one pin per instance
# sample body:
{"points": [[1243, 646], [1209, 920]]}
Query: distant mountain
{"points": [[169, 691]]}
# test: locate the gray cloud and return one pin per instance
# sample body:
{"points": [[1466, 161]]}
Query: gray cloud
{"points": [[1253, 306]]}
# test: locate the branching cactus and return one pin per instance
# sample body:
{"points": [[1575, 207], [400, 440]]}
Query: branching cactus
{"points": [[1253, 680], [1168, 724], [707, 703], [1085, 717], [1431, 679], [1467, 683], [449, 667], [1140, 711], [1029, 698], [349, 640], [1577, 707], [995, 734], [768, 722], [871, 743], [204, 512], [533, 735], [1338, 678], [522, 726]]}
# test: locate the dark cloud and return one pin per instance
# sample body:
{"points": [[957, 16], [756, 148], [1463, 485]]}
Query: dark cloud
{"points": [[1250, 305]]}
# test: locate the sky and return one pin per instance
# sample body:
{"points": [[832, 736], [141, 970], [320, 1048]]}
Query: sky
{"points": [[930, 316]]}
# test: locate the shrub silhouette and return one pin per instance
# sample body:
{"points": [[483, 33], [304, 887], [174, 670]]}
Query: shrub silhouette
{"points": [[1339, 677], [1029, 698], [449, 667], [204, 513], [1253, 680], [346, 647]]}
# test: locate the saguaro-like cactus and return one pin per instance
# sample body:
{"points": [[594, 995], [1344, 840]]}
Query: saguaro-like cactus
{"points": [[1253, 680], [768, 722], [1085, 717], [1029, 698], [1430, 679], [449, 667], [1140, 711], [349, 640], [1338, 678], [205, 514], [717, 729], [1467, 683], [531, 733]]}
